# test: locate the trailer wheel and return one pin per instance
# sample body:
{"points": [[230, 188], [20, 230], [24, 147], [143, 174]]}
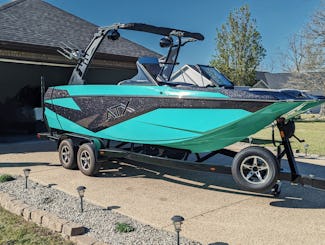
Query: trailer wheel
{"points": [[67, 154], [86, 160], [255, 169]]}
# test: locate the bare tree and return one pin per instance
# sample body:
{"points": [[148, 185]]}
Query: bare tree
{"points": [[316, 36], [314, 57], [316, 28], [269, 65], [305, 57], [311, 81], [293, 58]]}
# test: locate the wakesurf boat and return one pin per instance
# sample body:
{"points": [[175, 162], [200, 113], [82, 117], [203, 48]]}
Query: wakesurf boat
{"points": [[163, 119], [151, 109]]}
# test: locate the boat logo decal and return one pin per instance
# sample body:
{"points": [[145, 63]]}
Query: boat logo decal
{"points": [[118, 111]]}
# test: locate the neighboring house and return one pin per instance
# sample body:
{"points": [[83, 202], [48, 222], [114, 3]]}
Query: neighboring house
{"points": [[30, 33], [291, 81], [287, 80], [272, 80]]}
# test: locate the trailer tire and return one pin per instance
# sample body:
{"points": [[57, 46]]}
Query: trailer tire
{"points": [[67, 154], [86, 160], [255, 169]]}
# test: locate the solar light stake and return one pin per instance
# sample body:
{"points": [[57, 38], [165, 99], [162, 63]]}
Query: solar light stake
{"points": [[26, 173], [306, 148], [81, 192], [250, 140], [177, 221]]}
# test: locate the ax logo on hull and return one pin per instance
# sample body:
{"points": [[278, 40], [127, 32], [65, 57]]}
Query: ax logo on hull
{"points": [[118, 111]]}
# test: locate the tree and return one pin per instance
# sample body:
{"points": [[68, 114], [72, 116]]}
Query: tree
{"points": [[316, 28], [239, 49], [317, 34], [305, 57], [292, 60]]}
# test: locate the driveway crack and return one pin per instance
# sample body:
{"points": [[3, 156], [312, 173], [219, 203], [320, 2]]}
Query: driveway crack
{"points": [[213, 210]]}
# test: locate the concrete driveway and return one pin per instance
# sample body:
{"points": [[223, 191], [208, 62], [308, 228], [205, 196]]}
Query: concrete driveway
{"points": [[215, 210]]}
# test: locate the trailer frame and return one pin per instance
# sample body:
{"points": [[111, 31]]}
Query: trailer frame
{"points": [[134, 152]]}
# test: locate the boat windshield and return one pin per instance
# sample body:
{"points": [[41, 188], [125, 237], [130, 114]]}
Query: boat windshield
{"points": [[214, 75], [169, 63]]}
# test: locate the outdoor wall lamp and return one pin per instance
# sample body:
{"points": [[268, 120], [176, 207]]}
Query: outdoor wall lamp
{"points": [[81, 192], [177, 221], [26, 173]]}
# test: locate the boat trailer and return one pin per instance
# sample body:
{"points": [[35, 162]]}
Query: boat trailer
{"points": [[102, 150]]}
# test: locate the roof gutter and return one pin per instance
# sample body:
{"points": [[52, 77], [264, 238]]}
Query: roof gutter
{"points": [[16, 46]]}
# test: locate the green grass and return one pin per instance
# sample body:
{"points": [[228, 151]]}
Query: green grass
{"points": [[123, 227], [15, 230], [5, 178], [312, 132]]}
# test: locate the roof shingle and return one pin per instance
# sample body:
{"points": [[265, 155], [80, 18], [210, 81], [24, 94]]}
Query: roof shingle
{"points": [[39, 23]]}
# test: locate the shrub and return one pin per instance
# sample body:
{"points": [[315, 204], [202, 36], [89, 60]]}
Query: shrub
{"points": [[5, 178], [123, 227]]}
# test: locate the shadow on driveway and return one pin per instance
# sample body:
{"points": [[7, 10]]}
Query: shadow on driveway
{"points": [[293, 196]]}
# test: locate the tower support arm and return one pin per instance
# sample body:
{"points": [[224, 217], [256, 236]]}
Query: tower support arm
{"points": [[84, 61]]}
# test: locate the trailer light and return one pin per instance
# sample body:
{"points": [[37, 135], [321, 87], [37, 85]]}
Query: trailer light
{"points": [[177, 221], [81, 192], [26, 173]]}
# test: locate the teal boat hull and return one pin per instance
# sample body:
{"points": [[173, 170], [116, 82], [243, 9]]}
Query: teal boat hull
{"points": [[199, 121]]}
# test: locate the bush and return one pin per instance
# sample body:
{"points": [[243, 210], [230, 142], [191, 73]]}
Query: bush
{"points": [[123, 227], [5, 178]]}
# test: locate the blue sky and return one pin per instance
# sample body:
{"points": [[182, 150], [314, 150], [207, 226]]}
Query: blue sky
{"points": [[276, 20]]}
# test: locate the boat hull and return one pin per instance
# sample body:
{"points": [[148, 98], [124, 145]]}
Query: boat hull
{"points": [[193, 120]]}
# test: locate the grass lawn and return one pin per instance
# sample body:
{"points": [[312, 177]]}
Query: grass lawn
{"points": [[312, 132], [15, 230]]}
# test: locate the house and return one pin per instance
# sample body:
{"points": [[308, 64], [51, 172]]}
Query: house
{"points": [[30, 33], [290, 80], [299, 81]]}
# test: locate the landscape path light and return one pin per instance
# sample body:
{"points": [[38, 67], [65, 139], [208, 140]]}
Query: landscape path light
{"points": [[81, 192], [26, 173], [177, 221], [306, 148], [250, 140]]}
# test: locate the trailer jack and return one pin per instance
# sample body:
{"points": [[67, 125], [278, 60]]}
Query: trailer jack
{"points": [[287, 130]]}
